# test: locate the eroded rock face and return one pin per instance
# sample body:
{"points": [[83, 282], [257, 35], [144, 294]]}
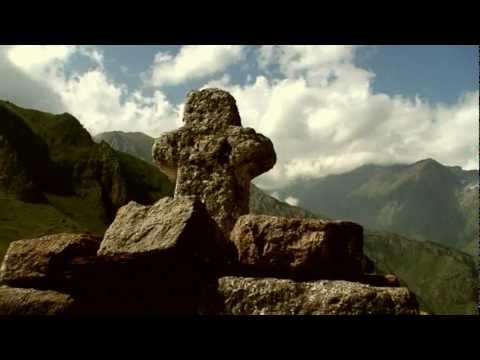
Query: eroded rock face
{"points": [[41, 262], [14, 179], [213, 157], [305, 248], [270, 296], [17, 301], [99, 177]]}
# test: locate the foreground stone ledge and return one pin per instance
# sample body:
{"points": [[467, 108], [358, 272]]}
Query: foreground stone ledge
{"points": [[308, 248], [177, 226], [19, 301], [270, 296], [41, 262]]}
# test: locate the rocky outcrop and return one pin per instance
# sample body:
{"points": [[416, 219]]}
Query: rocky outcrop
{"points": [[17, 301], [213, 157], [42, 263], [300, 248], [99, 178], [270, 296], [14, 179]]}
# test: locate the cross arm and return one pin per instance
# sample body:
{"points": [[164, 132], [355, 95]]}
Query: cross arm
{"points": [[165, 154], [253, 153]]}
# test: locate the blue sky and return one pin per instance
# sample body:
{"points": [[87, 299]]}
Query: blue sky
{"points": [[434, 72], [407, 70], [328, 109]]}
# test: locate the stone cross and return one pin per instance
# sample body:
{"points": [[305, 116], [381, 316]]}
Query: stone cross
{"points": [[213, 157]]}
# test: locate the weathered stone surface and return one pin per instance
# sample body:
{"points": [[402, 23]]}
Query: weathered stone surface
{"points": [[211, 105], [152, 284], [306, 248], [213, 157], [41, 262], [154, 259], [180, 225], [270, 296], [17, 301]]}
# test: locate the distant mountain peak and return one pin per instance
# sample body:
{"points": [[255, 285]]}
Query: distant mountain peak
{"points": [[134, 143], [428, 161]]}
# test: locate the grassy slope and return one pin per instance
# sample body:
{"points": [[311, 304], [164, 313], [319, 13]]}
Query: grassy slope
{"points": [[445, 280], [144, 179], [472, 248], [262, 203], [20, 220]]}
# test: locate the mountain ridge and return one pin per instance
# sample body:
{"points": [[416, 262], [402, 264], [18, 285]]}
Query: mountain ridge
{"points": [[424, 200], [134, 143]]}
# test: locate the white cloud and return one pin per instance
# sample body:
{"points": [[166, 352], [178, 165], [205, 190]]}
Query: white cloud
{"points": [[99, 103], [321, 113], [193, 62], [316, 63], [275, 195], [20, 88], [36, 59], [322, 125], [292, 200]]}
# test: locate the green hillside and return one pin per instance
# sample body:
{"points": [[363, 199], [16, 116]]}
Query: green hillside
{"points": [[445, 280], [56, 178]]}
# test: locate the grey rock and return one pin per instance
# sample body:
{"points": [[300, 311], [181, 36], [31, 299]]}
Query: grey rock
{"points": [[213, 157], [156, 259], [18, 301], [270, 296], [306, 248], [41, 262], [179, 224]]}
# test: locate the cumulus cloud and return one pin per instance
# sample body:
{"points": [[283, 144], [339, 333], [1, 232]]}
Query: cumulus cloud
{"points": [[193, 62], [20, 88], [315, 104], [317, 63], [324, 118], [99, 103]]}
